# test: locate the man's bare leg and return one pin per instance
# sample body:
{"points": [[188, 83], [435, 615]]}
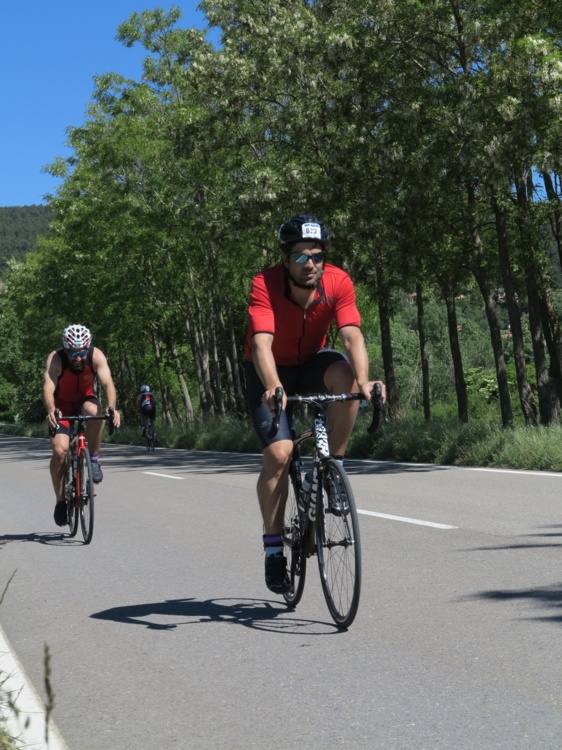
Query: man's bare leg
{"points": [[59, 444], [273, 484]]}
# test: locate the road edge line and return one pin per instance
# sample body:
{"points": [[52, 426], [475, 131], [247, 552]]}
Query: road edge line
{"points": [[25, 731]]}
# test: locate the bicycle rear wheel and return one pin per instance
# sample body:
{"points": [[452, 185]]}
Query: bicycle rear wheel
{"points": [[338, 544], [71, 509], [150, 436], [292, 540], [86, 496]]}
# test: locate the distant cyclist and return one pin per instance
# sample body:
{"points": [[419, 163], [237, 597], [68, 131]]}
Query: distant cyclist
{"points": [[69, 388], [147, 406]]}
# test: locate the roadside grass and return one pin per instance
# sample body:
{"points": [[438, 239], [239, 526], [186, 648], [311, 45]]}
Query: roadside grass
{"points": [[441, 440], [7, 705], [8, 699]]}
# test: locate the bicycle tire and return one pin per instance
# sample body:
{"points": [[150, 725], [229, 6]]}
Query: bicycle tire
{"points": [[292, 541], [338, 544], [150, 436], [86, 496], [71, 509]]}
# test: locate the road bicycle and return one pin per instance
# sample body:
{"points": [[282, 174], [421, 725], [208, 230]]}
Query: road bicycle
{"points": [[149, 432], [320, 513], [79, 490]]}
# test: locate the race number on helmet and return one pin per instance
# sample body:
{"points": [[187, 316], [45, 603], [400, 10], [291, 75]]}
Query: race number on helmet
{"points": [[303, 227]]}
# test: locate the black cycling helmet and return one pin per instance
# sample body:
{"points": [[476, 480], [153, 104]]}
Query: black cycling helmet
{"points": [[302, 227]]}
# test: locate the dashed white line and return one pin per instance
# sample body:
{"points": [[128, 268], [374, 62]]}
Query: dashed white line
{"points": [[404, 519], [157, 474]]}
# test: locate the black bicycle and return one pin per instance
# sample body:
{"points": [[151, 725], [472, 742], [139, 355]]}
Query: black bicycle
{"points": [[149, 432], [79, 491], [321, 514]]}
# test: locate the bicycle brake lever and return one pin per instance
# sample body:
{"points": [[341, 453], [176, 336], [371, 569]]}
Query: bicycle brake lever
{"points": [[379, 409], [275, 421]]}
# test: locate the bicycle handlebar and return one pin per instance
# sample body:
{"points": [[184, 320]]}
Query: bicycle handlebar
{"points": [[87, 418], [379, 406]]}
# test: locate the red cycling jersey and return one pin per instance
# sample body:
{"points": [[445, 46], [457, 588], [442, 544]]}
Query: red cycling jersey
{"points": [[74, 387], [298, 334]]}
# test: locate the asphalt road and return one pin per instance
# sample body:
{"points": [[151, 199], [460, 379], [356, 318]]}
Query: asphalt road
{"points": [[163, 635]]}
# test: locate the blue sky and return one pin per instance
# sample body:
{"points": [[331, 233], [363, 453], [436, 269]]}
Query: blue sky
{"points": [[49, 54]]}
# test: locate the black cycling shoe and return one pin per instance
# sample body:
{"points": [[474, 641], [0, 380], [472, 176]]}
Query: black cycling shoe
{"points": [[97, 473], [276, 576], [61, 514]]}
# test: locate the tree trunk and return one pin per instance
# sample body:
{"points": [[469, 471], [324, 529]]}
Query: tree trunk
{"points": [[526, 236], [460, 384], [386, 338], [201, 366], [556, 213], [525, 392], [200, 328], [218, 388], [424, 359], [479, 272], [166, 410], [186, 398], [497, 345]]}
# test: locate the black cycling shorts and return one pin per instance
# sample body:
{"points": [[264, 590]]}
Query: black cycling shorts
{"points": [[301, 379]]}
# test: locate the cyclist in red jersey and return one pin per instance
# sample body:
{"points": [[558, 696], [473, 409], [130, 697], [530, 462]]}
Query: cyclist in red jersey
{"points": [[291, 308], [69, 388]]}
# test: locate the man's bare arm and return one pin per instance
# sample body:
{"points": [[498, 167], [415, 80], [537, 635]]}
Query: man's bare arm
{"points": [[264, 362], [103, 374], [354, 344]]}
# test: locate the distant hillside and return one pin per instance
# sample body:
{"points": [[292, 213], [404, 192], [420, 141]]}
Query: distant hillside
{"points": [[19, 228]]}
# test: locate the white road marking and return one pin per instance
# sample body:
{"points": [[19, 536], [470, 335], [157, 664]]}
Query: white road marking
{"points": [[156, 474], [451, 467], [515, 471], [30, 727], [404, 519]]}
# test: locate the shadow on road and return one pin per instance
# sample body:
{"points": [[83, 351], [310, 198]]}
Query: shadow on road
{"points": [[128, 457], [545, 596], [51, 538], [528, 545], [251, 613]]}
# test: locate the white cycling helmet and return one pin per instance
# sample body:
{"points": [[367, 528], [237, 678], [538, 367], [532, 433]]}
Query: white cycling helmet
{"points": [[145, 389], [76, 336]]}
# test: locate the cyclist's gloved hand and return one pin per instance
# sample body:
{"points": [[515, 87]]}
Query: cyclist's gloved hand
{"points": [[367, 389], [269, 398]]}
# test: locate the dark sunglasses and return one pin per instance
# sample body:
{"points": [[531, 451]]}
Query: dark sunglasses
{"points": [[73, 354], [302, 258]]}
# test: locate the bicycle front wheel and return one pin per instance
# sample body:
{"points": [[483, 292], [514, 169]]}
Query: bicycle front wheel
{"points": [[293, 543], [338, 544], [69, 496], [86, 496]]}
